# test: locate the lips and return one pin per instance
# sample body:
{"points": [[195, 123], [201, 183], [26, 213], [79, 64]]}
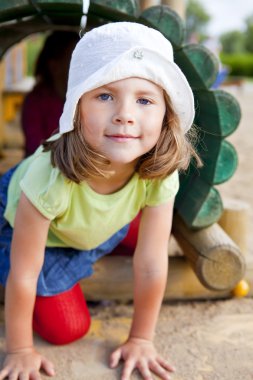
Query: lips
{"points": [[122, 137]]}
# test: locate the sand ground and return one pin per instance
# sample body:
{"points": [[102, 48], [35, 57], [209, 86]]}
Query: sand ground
{"points": [[210, 340]]}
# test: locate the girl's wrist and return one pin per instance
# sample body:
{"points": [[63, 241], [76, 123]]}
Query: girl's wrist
{"points": [[21, 350], [137, 339]]}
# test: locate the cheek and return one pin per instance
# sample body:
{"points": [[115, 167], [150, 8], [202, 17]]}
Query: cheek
{"points": [[155, 125], [89, 124]]}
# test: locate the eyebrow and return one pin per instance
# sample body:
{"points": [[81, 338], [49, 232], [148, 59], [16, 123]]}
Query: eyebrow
{"points": [[138, 92]]}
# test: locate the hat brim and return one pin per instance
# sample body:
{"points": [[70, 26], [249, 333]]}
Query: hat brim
{"points": [[136, 62]]}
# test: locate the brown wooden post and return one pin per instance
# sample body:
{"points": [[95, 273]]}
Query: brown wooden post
{"points": [[149, 3], [177, 5], [235, 221], [215, 258]]}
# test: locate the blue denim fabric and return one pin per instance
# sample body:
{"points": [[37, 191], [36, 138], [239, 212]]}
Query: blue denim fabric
{"points": [[5, 228], [62, 267]]}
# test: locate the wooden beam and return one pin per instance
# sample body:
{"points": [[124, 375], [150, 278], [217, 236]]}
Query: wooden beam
{"points": [[113, 280], [149, 3], [215, 258], [235, 222], [178, 6]]}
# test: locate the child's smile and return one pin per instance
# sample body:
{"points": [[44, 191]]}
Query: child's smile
{"points": [[123, 119]]}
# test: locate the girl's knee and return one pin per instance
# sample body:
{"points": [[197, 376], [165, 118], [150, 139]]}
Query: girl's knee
{"points": [[63, 318], [60, 334]]}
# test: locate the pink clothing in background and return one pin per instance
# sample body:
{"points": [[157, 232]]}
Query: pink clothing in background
{"points": [[41, 112]]}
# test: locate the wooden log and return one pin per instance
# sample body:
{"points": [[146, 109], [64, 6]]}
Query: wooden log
{"points": [[215, 258], [166, 21], [113, 280], [199, 65], [235, 222], [218, 112]]}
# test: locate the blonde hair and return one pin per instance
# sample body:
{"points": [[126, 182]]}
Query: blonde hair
{"points": [[79, 161]]}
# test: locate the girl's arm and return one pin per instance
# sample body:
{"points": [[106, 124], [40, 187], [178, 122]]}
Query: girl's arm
{"points": [[27, 255], [150, 276]]}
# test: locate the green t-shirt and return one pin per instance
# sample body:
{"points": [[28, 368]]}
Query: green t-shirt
{"points": [[80, 217]]}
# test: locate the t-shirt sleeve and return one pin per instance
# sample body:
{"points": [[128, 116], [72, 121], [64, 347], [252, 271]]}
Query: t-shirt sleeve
{"points": [[45, 187], [161, 191]]}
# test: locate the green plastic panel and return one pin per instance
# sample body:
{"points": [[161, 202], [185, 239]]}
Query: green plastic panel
{"points": [[210, 210], [198, 64], [219, 158], [10, 11], [166, 21], [205, 203], [13, 9], [217, 112], [115, 10], [10, 35], [226, 163]]}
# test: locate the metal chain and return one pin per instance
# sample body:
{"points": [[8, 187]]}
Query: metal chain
{"points": [[86, 5]]}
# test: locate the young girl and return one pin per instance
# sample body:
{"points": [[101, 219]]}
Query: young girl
{"points": [[121, 143]]}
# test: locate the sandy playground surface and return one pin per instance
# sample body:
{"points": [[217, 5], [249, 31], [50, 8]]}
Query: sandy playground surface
{"points": [[210, 340]]}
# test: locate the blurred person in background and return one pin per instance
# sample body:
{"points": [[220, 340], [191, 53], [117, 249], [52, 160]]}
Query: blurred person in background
{"points": [[43, 106]]}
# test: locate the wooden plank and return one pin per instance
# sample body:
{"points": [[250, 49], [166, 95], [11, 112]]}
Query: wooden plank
{"points": [[10, 158], [113, 280], [215, 258], [166, 21], [199, 65], [218, 112]]}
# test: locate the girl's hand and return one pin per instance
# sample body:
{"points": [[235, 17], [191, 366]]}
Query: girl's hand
{"points": [[25, 364], [141, 354]]}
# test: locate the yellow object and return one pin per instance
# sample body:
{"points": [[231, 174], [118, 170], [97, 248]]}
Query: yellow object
{"points": [[11, 103], [241, 289]]}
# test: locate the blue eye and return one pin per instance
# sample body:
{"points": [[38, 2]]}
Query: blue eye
{"points": [[105, 97], [143, 101]]}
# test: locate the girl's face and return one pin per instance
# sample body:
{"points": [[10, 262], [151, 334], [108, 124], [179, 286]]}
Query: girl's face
{"points": [[123, 120]]}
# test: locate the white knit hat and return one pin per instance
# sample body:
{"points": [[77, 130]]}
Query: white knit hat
{"points": [[121, 50]]}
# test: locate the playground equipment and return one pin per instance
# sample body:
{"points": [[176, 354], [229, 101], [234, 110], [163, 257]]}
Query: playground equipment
{"points": [[216, 259]]}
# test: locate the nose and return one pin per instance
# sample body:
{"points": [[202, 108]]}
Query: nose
{"points": [[123, 116]]}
